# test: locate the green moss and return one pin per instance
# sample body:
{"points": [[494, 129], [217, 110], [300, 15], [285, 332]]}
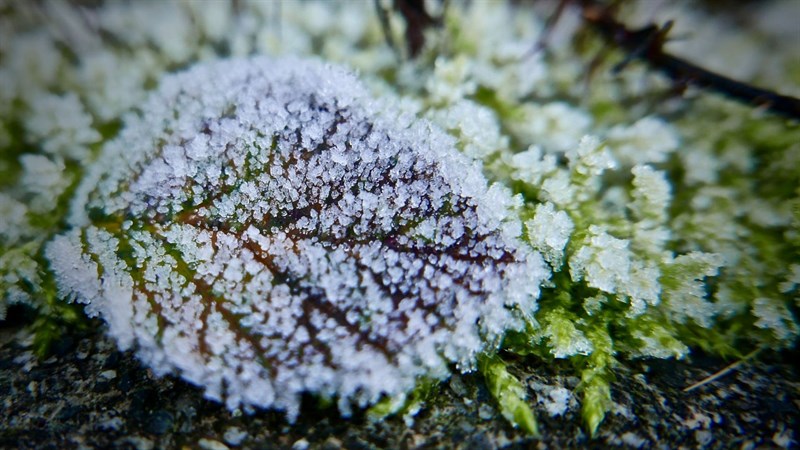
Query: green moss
{"points": [[509, 393]]}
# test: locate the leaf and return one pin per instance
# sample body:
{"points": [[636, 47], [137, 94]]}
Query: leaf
{"points": [[596, 400], [288, 233], [405, 404], [509, 393], [596, 379]]}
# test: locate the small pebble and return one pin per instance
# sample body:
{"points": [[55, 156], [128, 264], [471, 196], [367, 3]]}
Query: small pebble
{"points": [[331, 444], [113, 424], [457, 385], [466, 426], [138, 442], [485, 412], [211, 444], [234, 436], [300, 444], [160, 422]]}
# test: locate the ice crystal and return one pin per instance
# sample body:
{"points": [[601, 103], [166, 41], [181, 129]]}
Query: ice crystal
{"points": [[648, 140], [556, 126], [549, 232], [44, 181], [267, 228], [61, 125]]}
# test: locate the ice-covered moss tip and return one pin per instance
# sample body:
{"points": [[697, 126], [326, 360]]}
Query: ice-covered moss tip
{"points": [[267, 228]]}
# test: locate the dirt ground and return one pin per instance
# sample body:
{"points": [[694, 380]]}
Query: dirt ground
{"points": [[89, 395]]}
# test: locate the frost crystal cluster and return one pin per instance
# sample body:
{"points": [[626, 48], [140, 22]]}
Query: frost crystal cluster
{"points": [[267, 228]]}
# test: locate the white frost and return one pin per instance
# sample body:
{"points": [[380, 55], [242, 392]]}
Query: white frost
{"points": [[266, 228]]}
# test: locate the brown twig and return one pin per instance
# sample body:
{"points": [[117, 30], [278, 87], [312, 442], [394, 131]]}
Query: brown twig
{"points": [[383, 17], [417, 21], [548, 27], [724, 371], [647, 44]]}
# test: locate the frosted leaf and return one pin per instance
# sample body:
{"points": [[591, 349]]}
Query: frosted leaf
{"points": [[650, 239], [767, 215], [267, 229]]}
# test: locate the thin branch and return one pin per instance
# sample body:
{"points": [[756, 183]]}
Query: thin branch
{"points": [[726, 370], [547, 30], [383, 17], [647, 44], [417, 20]]}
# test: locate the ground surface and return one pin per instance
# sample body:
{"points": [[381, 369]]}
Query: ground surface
{"points": [[88, 395]]}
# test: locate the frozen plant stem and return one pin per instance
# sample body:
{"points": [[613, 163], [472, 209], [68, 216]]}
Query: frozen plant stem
{"points": [[647, 44]]}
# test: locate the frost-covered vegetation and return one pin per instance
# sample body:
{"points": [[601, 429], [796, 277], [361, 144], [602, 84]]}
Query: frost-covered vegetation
{"points": [[186, 200], [263, 226]]}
